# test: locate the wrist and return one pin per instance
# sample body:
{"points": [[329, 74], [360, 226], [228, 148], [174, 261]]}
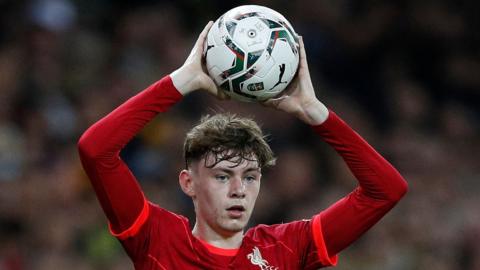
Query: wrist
{"points": [[315, 113], [182, 80]]}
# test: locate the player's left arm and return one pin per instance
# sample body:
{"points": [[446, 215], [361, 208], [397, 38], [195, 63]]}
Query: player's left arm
{"points": [[380, 184]]}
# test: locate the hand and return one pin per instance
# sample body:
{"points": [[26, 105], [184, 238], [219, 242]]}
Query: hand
{"points": [[299, 98], [191, 76]]}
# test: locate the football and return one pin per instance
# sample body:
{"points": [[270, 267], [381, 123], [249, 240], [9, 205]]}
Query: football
{"points": [[252, 53]]}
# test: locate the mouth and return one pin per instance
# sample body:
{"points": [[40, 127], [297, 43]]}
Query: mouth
{"points": [[236, 211]]}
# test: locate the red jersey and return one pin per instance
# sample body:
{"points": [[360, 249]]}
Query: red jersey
{"points": [[155, 238], [163, 240]]}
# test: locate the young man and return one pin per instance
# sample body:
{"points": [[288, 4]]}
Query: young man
{"points": [[224, 157]]}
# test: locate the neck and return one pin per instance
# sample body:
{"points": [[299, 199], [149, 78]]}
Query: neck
{"points": [[227, 240]]}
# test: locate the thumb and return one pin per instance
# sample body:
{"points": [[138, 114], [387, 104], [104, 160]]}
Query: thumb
{"points": [[212, 88]]}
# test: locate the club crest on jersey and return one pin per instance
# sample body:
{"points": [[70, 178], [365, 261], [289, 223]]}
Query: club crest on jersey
{"points": [[256, 259]]}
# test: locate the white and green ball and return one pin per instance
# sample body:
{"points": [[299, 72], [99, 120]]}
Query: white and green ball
{"points": [[252, 53]]}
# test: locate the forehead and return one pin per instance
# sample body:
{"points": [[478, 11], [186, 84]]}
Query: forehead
{"points": [[235, 162]]}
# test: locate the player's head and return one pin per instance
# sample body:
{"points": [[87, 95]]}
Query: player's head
{"points": [[224, 155]]}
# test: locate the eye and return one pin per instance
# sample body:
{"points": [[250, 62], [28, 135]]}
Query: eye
{"points": [[250, 178], [221, 177]]}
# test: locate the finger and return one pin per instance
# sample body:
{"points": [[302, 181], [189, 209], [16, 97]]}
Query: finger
{"points": [[197, 49], [292, 86], [212, 88], [222, 95], [273, 102], [303, 66], [303, 54], [203, 35]]}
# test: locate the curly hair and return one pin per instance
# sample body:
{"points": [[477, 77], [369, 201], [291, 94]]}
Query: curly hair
{"points": [[226, 136]]}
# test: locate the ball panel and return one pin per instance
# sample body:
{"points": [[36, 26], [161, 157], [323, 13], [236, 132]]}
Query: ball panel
{"points": [[251, 34], [253, 57], [282, 54], [275, 80], [214, 36], [255, 86], [220, 59], [239, 64], [264, 64], [216, 74]]}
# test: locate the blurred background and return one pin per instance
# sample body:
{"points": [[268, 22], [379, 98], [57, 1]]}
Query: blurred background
{"points": [[404, 74]]}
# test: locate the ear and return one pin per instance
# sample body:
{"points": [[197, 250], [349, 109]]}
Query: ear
{"points": [[186, 182]]}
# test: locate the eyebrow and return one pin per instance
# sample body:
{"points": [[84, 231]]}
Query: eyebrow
{"points": [[229, 171]]}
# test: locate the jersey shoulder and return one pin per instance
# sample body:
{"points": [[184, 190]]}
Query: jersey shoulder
{"points": [[160, 228], [166, 217]]}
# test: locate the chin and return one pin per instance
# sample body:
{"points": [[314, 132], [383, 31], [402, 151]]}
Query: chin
{"points": [[234, 226]]}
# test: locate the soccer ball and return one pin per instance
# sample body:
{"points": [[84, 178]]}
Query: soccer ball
{"points": [[252, 53]]}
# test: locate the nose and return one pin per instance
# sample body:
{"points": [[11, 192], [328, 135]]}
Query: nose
{"points": [[237, 188]]}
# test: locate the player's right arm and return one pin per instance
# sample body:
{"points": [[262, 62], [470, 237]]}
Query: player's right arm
{"points": [[116, 187]]}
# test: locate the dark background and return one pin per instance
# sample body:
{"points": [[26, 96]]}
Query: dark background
{"points": [[404, 74]]}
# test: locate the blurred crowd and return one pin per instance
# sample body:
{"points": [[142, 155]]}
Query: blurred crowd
{"points": [[404, 74]]}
